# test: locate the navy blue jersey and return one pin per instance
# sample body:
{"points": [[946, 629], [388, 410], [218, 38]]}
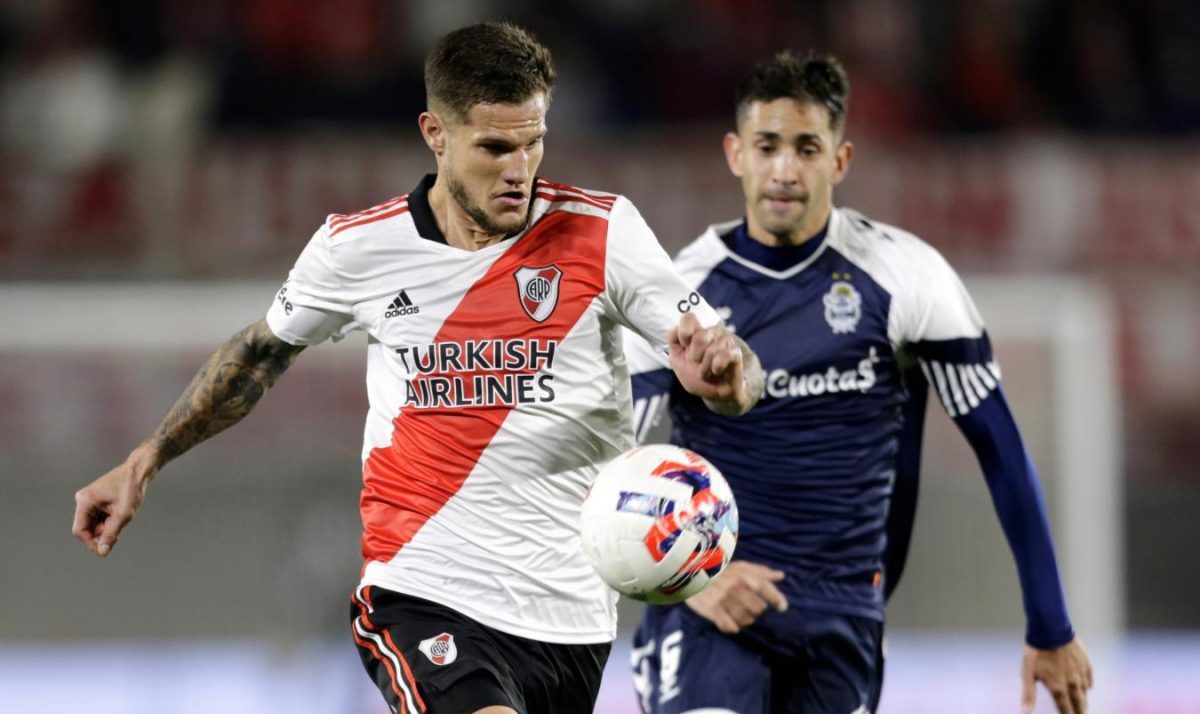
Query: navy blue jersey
{"points": [[836, 323]]}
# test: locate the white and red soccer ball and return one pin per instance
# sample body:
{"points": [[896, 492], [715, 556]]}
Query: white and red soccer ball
{"points": [[659, 523]]}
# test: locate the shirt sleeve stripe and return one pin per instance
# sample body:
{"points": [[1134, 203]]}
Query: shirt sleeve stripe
{"points": [[956, 390], [961, 387], [985, 376], [939, 378], [966, 377]]}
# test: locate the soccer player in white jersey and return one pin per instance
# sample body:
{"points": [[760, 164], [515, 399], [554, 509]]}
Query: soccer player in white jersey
{"points": [[494, 301], [838, 307]]}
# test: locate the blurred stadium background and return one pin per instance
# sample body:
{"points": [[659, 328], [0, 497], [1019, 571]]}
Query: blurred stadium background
{"points": [[162, 162]]}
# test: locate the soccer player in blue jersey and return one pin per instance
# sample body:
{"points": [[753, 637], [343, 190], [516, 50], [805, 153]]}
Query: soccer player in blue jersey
{"points": [[839, 308]]}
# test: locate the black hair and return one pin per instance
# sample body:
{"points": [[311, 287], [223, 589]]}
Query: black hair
{"points": [[490, 62], [819, 79]]}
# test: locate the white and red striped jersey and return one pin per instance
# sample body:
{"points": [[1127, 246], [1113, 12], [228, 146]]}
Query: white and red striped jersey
{"points": [[497, 388]]}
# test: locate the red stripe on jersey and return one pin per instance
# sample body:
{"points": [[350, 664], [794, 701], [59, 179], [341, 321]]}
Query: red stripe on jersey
{"points": [[342, 218], [434, 449], [334, 230], [564, 198], [555, 186], [574, 192]]}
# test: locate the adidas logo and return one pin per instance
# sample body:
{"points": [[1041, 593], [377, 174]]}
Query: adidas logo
{"points": [[401, 306]]}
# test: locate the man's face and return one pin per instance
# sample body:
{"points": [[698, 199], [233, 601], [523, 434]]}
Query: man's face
{"points": [[789, 158], [490, 160]]}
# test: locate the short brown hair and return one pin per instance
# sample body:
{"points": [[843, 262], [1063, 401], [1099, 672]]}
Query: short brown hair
{"points": [[819, 79], [487, 63]]}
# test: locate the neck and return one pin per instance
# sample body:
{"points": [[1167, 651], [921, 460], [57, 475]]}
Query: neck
{"points": [[810, 228], [460, 230]]}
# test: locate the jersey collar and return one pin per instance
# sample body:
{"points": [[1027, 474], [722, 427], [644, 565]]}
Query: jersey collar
{"points": [[422, 214], [777, 258]]}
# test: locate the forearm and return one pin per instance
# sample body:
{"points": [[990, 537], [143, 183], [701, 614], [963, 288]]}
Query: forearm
{"points": [[753, 379], [225, 389], [1016, 495]]}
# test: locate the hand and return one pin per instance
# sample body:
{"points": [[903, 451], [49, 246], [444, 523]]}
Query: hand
{"points": [[737, 597], [1066, 672], [708, 363], [105, 506]]}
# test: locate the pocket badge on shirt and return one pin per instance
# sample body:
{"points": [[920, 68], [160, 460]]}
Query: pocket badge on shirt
{"points": [[537, 290], [440, 650]]}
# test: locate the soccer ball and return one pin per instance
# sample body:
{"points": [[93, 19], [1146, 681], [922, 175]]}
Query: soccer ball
{"points": [[659, 523]]}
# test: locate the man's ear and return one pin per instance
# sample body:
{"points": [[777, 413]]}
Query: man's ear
{"points": [[733, 153], [433, 131], [843, 156]]}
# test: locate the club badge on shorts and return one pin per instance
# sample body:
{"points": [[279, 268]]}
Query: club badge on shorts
{"points": [[537, 290], [440, 650]]}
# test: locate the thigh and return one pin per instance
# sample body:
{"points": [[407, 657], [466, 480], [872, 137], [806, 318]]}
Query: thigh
{"points": [[429, 659], [841, 668], [682, 663]]}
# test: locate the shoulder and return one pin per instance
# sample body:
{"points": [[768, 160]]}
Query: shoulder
{"points": [[861, 234], [343, 226], [551, 196], [891, 254], [699, 257]]}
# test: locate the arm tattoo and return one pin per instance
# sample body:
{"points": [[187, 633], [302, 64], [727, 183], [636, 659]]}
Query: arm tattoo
{"points": [[752, 369], [225, 389]]}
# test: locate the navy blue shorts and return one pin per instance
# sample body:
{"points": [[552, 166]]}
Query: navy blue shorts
{"points": [[877, 691], [794, 662]]}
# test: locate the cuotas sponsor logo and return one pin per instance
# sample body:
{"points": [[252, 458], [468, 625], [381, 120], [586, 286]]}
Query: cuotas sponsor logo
{"points": [[782, 384]]}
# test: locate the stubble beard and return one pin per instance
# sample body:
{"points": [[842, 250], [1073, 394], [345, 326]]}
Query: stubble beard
{"points": [[787, 231], [477, 214]]}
